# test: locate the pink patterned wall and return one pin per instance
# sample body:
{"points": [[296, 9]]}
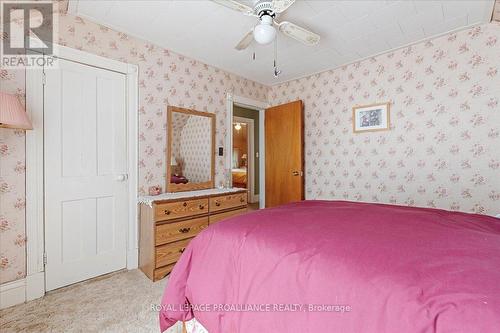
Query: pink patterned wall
{"points": [[443, 149], [441, 152], [165, 78], [12, 194]]}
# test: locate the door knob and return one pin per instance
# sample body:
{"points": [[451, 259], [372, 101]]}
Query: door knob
{"points": [[121, 178]]}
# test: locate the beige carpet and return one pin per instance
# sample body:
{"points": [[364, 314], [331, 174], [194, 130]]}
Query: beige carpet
{"points": [[120, 302]]}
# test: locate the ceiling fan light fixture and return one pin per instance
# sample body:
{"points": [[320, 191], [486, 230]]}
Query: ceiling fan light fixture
{"points": [[264, 33]]}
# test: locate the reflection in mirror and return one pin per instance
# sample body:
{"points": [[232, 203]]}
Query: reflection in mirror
{"points": [[191, 150]]}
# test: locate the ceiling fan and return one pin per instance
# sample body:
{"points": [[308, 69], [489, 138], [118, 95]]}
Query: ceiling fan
{"points": [[265, 32]]}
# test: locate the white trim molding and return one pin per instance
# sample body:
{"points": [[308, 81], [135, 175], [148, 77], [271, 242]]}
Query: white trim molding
{"points": [[34, 178], [133, 159], [33, 286], [22, 290], [249, 103], [12, 293]]}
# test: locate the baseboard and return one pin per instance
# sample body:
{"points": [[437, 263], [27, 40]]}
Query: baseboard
{"points": [[35, 286], [12, 293], [133, 259]]}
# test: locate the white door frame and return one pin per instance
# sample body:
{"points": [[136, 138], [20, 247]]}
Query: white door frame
{"points": [[260, 106], [35, 271], [250, 155]]}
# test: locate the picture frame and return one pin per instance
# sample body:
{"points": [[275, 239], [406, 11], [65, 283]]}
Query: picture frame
{"points": [[371, 118]]}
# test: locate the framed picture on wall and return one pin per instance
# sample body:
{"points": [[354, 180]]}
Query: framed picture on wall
{"points": [[369, 118]]}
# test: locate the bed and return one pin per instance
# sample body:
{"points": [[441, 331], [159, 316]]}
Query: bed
{"points": [[334, 266], [239, 177], [177, 179]]}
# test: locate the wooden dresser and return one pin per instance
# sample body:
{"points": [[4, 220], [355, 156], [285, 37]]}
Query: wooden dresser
{"points": [[169, 221]]}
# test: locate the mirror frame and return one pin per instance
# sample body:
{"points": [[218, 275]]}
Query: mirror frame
{"points": [[169, 187]]}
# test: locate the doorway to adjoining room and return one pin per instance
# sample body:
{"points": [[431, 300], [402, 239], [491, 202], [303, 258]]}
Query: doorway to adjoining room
{"points": [[245, 152]]}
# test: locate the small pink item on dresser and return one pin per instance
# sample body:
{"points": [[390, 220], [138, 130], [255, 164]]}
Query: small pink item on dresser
{"points": [[154, 190]]}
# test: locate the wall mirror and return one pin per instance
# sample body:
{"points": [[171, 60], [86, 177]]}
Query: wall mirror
{"points": [[190, 150]]}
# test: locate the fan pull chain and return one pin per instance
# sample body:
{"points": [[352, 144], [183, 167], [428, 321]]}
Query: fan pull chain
{"points": [[277, 72]]}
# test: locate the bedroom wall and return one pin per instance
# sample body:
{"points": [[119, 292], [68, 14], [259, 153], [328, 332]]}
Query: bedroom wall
{"points": [[443, 148], [164, 78]]}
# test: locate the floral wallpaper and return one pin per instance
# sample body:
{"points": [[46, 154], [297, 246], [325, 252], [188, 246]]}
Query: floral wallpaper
{"points": [[12, 193], [443, 148], [165, 78]]}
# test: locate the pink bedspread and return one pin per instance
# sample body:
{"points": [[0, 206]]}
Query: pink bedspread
{"points": [[323, 266]]}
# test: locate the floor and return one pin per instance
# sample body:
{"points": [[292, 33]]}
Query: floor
{"points": [[119, 302], [253, 206]]}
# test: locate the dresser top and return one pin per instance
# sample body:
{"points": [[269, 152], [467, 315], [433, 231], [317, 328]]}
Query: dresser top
{"points": [[150, 199]]}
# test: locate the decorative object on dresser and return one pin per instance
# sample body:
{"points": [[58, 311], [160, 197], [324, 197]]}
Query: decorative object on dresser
{"points": [[190, 150], [154, 190], [169, 221], [371, 118]]}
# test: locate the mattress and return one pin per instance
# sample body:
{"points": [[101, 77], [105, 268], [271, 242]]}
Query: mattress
{"points": [[334, 266]]}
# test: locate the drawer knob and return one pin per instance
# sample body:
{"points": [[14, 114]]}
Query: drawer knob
{"points": [[201, 206], [184, 230], [217, 203], [242, 200], [167, 212], [182, 250], [185, 204]]}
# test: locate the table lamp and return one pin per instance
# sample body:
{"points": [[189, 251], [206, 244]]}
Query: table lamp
{"points": [[12, 114]]}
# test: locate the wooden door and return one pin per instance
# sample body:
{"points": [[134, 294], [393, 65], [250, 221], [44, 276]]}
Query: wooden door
{"points": [[284, 150], [86, 208]]}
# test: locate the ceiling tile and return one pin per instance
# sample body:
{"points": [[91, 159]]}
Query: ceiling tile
{"points": [[95, 8], [416, 22], [355, 9], [423, 6], [321, 6], [394, 10], [392, 34], [445, 26], [457, 8], [481, 12], [349, 30]]}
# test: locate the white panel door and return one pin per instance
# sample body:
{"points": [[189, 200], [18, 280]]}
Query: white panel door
{"points": [[86, 189]]}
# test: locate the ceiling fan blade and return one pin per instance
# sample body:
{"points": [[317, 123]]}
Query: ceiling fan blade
{"points": [[301, 34], [280, 6], [235, 5], [245, 42]]}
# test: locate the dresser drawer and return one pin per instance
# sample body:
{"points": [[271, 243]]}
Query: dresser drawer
{"points": [[222, 216], [228, 201], [171, 232], [179, 209], [170, 253]]}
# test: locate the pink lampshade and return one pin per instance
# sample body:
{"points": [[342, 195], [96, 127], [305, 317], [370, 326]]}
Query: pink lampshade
{"points": [[12, 114]]}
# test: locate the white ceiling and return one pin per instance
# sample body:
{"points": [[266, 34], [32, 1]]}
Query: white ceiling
{"points": [[350, 30]]}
